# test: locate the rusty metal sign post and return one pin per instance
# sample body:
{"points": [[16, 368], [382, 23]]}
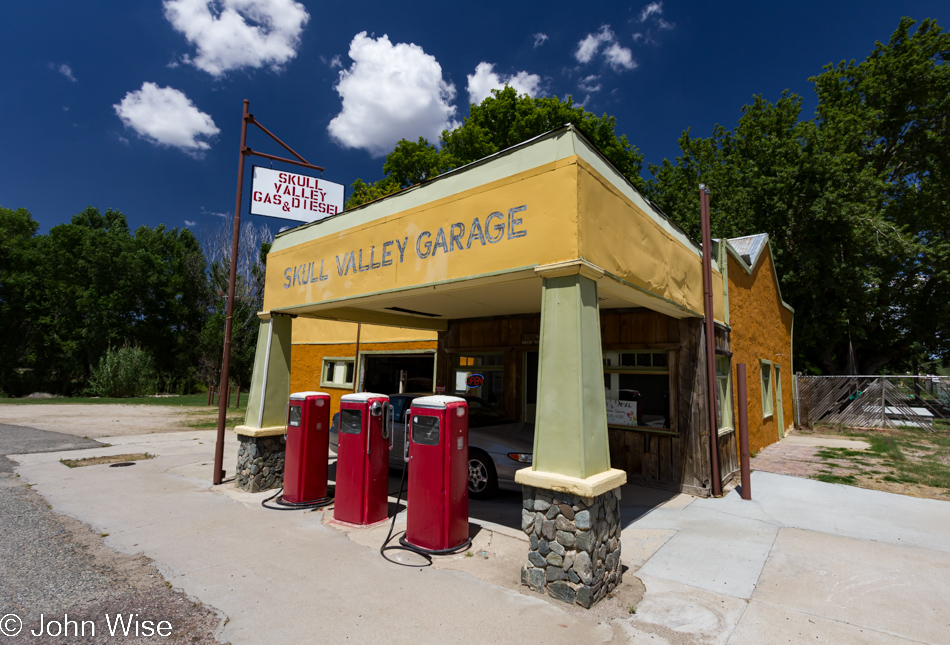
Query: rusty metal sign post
{"points": [[744, 460], [247, 117]]}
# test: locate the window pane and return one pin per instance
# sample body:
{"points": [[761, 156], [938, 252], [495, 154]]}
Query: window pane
{"points": [[651, 393], [643, 360], [488, 385], [723, 393], [349, 372], [661, 359], [351, 421], [425, 430], [295, 413], [766, 389]]}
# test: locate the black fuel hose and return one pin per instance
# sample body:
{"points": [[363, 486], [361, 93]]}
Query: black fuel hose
{"points": [[296, 506], [412, 548]]}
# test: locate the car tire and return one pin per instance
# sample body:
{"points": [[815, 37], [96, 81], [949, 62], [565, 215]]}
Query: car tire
{"points": [[482, 478]]}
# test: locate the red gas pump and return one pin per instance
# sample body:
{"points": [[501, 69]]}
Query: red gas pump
{"points": [[307, 449], [437, 500], [362, 464]]}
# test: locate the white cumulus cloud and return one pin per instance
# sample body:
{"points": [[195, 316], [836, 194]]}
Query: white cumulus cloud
{"points": [[165, 116], [484, 80], [231, 34], [65, 70], [539, 39], [189, 223], [589, 84], [391, 92], [587, 48], [620, 58], [650, 9]]}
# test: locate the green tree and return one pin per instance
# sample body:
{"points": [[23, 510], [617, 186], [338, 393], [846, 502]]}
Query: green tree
{"points": [[255, 242], [173, 299], [88, 268], [502, 120], [95, 285], [21, 291], [855, 201]]}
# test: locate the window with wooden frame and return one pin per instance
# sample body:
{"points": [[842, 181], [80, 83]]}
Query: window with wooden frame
{"points": [[765, 367], [724, 395], [637, 389], [481, 375], [337, 372]]}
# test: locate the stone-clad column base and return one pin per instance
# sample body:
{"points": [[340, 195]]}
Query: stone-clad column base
{"points": [[260, 462], [575, 544]]}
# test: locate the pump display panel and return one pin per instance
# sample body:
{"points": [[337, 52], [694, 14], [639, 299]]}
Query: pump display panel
{"points": [[425, 430], [296, 411], [351, 421]]}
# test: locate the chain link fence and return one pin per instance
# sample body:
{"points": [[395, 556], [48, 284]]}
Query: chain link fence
{"points": [[873, 401]]}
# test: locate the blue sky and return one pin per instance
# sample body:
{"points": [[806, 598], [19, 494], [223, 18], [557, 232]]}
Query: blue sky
{"points": [[137, 105]]}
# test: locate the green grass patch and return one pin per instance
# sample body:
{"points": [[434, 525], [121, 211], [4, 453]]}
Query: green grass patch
{"points": [[910, 456], [187, 400], [212, 421], [829, 478], [843, 453]]}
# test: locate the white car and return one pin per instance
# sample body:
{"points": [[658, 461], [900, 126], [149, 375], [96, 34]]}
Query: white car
{"points": [[497, 446]]}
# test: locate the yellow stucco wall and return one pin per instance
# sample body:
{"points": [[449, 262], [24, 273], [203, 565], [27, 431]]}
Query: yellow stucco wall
{"points": [[761, 329], [306, 363], [314, 330], [616, 235]]}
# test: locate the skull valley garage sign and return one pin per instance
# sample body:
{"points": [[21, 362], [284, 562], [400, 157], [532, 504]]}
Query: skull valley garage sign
{"points": [[288, 195]]}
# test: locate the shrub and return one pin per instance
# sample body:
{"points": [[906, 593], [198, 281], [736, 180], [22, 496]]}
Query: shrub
{"points": [[127, 371]]}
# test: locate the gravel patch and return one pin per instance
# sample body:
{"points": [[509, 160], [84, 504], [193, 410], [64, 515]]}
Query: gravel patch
{"points": [[52, 565]]}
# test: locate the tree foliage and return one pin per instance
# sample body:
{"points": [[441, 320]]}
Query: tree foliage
{"points": [[255, 242], [90, 285], [502, 120], [855, 199]]}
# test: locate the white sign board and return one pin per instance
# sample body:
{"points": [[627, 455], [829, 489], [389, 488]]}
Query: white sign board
{"points": [[621, 413], [287, 195]]}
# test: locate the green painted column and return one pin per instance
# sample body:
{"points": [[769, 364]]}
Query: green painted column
{"points": [[571, 420], [270, 382]]}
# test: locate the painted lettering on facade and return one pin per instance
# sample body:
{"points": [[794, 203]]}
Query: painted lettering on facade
{"points": [[458, 237]]}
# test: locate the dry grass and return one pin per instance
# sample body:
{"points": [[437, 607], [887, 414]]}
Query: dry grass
{"points": [[111, 459], [910, 461]]}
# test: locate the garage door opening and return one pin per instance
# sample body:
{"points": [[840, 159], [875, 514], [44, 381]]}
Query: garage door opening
{"points": [[395, 373]]}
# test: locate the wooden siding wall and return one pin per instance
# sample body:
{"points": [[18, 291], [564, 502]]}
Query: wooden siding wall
{"points": [[678, 461], [512, 335]]}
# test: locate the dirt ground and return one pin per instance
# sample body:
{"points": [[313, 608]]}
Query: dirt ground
{"points": [[856, 466], [105, 420]]}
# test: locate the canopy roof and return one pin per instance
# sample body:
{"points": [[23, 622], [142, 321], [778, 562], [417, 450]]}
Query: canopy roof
{"points": [[467, 244]]}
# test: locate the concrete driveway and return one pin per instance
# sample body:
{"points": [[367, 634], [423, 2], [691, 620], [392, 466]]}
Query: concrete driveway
{"points": [[803, 562]]}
